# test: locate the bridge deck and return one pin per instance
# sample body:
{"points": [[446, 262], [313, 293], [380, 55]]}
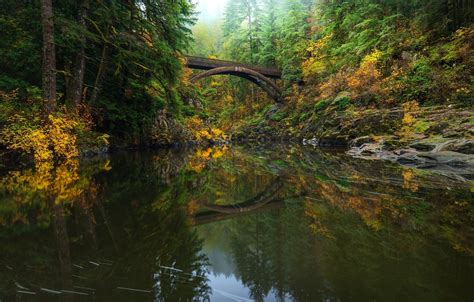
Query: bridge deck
{"points": [[207, 64]]}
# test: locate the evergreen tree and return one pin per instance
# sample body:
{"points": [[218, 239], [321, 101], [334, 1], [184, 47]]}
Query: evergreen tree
{"points": [[241, 30], [292, 40], [269, 35]]}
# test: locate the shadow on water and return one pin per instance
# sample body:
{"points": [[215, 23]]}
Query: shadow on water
{"points": [[235, 224]]}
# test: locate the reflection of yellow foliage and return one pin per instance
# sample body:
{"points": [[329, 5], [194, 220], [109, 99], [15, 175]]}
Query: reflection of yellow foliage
{"points": [[192, 207], [370, 213], [59, 184], [408, 180], [196, 166], [198, 161], [204, 153], [107, 167], [316, 226]]}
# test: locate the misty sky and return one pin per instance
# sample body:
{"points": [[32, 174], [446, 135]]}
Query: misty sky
{"points": [[210, 9]]}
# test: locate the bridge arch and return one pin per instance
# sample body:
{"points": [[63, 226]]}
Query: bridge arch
{"points": [[246, 73]]}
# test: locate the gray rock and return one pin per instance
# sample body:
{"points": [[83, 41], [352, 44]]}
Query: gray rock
{"points": [[449, 158], [311, 142], [423, 146], [359, 141], [464, 146]]}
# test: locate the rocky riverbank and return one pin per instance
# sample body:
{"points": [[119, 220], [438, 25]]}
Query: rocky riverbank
{"points": [[435, 138]]}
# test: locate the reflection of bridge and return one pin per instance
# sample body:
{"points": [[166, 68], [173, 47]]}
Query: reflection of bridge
{"points": [[212, 216], [263, 201], [259, 75]]}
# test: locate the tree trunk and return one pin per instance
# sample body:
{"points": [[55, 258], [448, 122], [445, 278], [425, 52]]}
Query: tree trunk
{"points": [[100, 73], [62, 243], [49, 56], [77, 88]]}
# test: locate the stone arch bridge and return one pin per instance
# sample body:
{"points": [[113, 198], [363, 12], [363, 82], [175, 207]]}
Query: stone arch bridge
{"points": [[262, 76]]}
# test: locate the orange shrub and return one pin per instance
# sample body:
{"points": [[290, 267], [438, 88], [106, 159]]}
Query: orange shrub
{"points": [[366, 80]]}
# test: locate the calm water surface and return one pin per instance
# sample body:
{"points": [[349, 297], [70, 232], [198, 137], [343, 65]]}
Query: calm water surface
{"points": [[285, 223]]}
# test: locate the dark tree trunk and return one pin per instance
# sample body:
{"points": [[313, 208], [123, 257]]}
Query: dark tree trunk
{"points": [[77, 86], [49, 56], [100, 73]]}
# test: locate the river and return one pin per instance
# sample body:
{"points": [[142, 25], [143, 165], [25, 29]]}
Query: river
{"points": [[277, 223]]}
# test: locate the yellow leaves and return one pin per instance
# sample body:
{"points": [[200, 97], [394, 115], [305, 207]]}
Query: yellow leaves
{"points": [[216, 132], [62, 139], [215, 84], [218, 153], [372, 58], [148, 39], [410, 109], [336, 83], [408, 119], [53, 139], [367, 78], [186, 75], [37, 142], [316, 62], [202, 132], [194, 122], [204, 153], [104, 138], [53, 144], [228, 98]]}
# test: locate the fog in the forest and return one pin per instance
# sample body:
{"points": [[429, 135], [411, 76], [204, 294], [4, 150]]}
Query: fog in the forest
{"points": [[210, 10]]}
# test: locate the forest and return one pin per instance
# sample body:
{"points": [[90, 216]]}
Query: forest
{"points": [[78, 77], [202, 150]]}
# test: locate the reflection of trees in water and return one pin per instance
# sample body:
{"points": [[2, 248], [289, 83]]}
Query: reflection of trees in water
{"points": [[359, 219], [135, 215], [271, 252], [116, 216], [278, 254]]}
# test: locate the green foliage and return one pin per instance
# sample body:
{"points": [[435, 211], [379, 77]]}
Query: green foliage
{"points": [[132, 66], [292, 41], [278, 116], [321, 105], [342, 103]]}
